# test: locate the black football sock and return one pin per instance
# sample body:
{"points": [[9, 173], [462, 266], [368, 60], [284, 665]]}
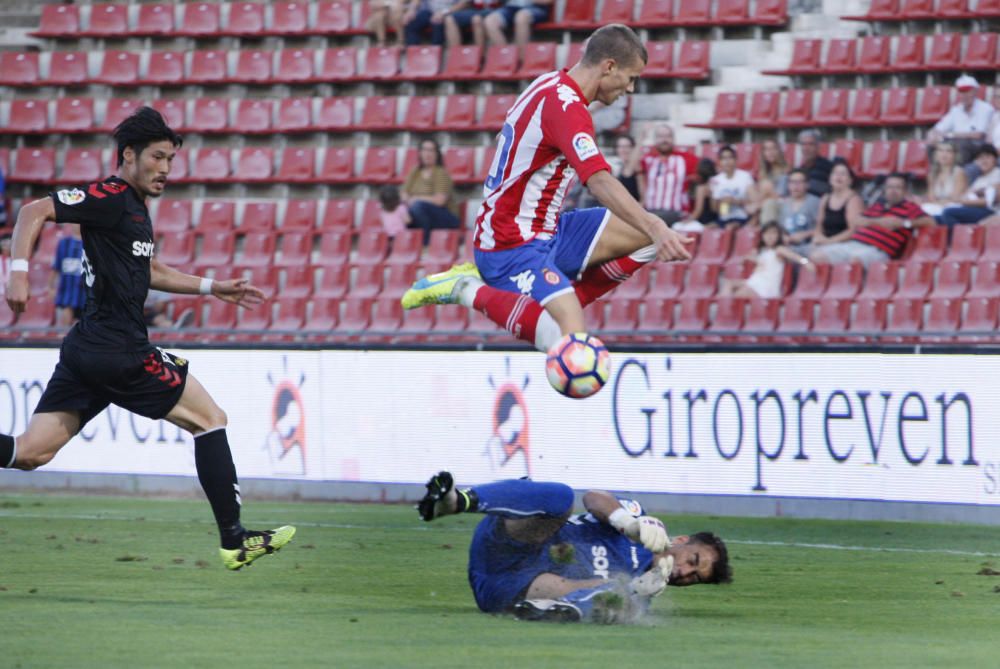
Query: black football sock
{"points": [[8, 451], [217, 474], [468, 501]]}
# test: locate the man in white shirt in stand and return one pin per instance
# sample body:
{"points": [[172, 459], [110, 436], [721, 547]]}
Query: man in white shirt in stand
{"points": [[965, 125]]}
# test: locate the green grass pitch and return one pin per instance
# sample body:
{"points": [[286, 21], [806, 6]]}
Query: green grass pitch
{"points": [[132, 582]]}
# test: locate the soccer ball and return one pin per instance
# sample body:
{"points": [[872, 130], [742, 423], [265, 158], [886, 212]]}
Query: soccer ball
{"points": [[578, 365]]}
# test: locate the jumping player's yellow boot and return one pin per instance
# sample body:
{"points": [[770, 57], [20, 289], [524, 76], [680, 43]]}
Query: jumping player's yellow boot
{"points": [[255, 545], [438, 288]]}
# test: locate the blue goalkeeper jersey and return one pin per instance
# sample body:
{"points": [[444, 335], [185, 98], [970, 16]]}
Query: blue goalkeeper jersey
{"points": [[501, 569]]}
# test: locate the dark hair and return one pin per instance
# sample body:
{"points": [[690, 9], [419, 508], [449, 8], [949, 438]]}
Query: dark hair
{"points": [[986, 148], [615, 41], [439, 160], [388, 197], [903, 176], [706, 169], [722, 572], [630, 138], [764, 228], [850, 172], [726, 148], [141, 129]]}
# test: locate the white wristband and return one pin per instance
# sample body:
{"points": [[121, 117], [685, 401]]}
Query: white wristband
{"points": [[619, 519], [206, 286], [19, 265]]}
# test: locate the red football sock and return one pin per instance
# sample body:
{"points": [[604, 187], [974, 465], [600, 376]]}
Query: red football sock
{"points": [[515, 313], [602, 279]]}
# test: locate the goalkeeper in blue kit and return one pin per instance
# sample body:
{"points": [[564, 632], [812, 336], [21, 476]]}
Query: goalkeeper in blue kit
{"points": [[532, 557]]}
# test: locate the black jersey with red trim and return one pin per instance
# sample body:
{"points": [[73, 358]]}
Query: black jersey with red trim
{"points": [[117, 248]]}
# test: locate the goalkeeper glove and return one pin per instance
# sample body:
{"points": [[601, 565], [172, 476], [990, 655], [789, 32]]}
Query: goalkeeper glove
{"points": [[647, 530]]}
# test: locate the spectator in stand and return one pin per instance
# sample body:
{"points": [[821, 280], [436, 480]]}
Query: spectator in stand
{"points": [[980, 201], [386, 15], [947, 181], [421, 15], [703, 213], [394, 215], [772, 171], [798, 212], [993, 133], [769, 270], [734, 194], [4, 262], [522, 14], [3, 200], [883, 230], [840, 209], [816, 166], [625, 164], [67, 277], [664, 175], [154, 311], [467, 17], [428, 192], [966, 123]]}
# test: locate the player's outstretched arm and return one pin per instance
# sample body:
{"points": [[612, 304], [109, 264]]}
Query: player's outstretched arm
{"points": [[613, 195], [647, 530], [29, 224], [238, 291]]}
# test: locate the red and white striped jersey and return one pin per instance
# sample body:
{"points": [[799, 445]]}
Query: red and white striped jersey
{"points": [[667, 180], [547, 139]]}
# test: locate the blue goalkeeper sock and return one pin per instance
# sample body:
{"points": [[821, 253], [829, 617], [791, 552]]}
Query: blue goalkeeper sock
{"points": [[520, 498]]}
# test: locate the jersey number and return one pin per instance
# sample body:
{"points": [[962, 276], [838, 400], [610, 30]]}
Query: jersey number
{"points": [[495, 177], [88, 270]]}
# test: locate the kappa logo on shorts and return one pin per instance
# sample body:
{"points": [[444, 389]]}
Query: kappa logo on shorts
{"points": [[584, 146], [525, 281], [551, 277], [71, 196]]}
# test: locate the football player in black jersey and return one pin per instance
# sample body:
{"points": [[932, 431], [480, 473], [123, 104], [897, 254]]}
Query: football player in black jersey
{"points": [[107, 357]]}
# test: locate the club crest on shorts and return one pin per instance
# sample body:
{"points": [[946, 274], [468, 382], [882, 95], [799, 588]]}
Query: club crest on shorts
{"points": [[71, 196], [286, 437], [550, 277], [508, 448], [584, 146]]}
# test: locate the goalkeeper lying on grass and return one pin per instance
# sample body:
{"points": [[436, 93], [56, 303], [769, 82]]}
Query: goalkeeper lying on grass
{"points": [[530, 557]]}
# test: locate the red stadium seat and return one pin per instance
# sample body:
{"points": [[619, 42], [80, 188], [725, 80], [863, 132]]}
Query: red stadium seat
{"points": [[916, 10], [210, 115], [463, 63], [798, 108], [154, 19], [339, 214], [797, 315], [211, 165], [297, 165], [812, 285], [207, 67], [980, 51], [691, 13], [745, 241], [616, 11], [867, 109], [702, 280], [406, 248], [918, 277], [985, 279], [732, 12], [107, 20], [946, 52], [574, 54], [539, 58], [832, 108], [19, 69], [869, 317], [173, 216], [173, 112], [692, 315], [443, 246], [296, 250], [807, 56], [33, 166], [762, 316], [119, 68], [333, 282], [635, 287], [980, 316], [944, 315], [495, 111], [219, 315], [656, 13], [388, 315], [323, 314], [669, 281], [460, 161], [422, 62], [81, 166], [954, 9], [578, 14], [419, 320], [693, 61], [217, 215], [118, 110], [74, 115], [68, 68], [338, 165], [501, 62], [295, 66], [379, 113], [905, 316], [367, 281], [216, 250], [728, 314], [200, 20], [931, 244], [728, 111], [289, 315], [357, 314], [874, 57], [246, 19], [289, 18], [179, 167], [953, 279], [253, 66], [656, 316], [841, 56], [176, 249], [38, 313], [300, 215], [253, 117], [910, 51], [966, 243], [622, 315], [373, 245], [338, 64], [770, 13], [295, 115], [381, 62], [59, 20], [899, 106], [881, 279], [661, 60], [165, 68], [934, 104], [379, 165], [298, 281], [764, 109], [28, 117], [714, 246], [254, 165], [845, 281], [459, 113], [882, 158], [332, 18], [421, 113], [851, 150], [914, 158], [258, 250]]}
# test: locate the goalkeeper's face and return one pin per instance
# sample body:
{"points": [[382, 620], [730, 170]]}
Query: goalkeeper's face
{"points": [[693, 562]]}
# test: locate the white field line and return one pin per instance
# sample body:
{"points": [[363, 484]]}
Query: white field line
{"points": [[422, 527]]}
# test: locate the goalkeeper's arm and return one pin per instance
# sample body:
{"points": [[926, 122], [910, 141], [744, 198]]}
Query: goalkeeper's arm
{"points": [[647, 530]]}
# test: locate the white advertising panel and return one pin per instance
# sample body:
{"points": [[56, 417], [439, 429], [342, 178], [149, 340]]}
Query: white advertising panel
{"points": [[918, 428]]}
